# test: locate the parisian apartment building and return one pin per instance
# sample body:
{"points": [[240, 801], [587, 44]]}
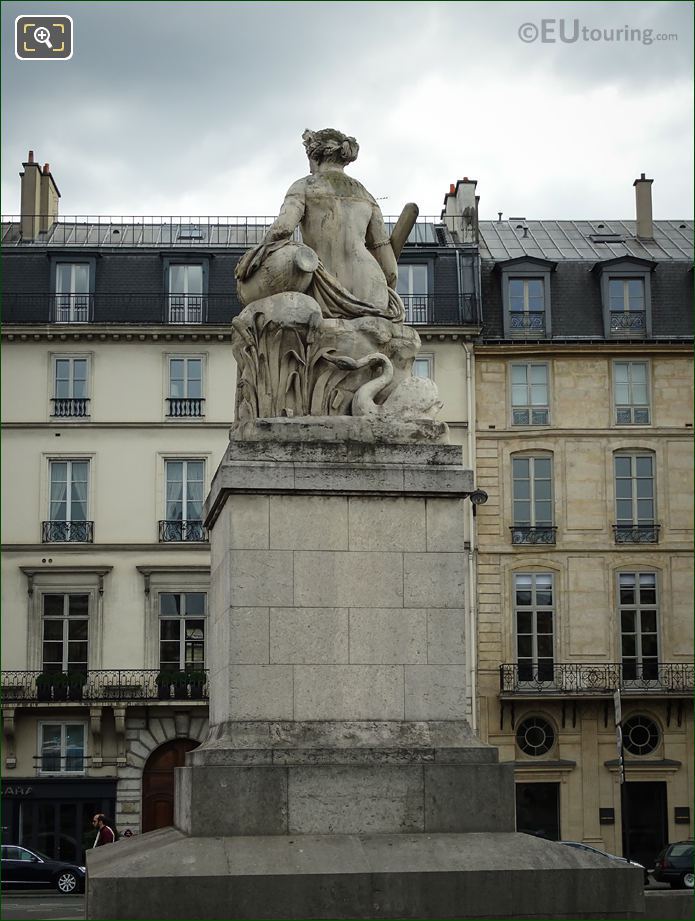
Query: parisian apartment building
{"points": [[118, 398]]}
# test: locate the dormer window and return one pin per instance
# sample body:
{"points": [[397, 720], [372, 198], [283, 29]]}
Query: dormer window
{"points": [[526, 297], [626, 303], [526, 304], [626, 297]]}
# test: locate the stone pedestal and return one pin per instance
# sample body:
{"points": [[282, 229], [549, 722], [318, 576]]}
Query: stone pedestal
{"points": [[341, 778]]}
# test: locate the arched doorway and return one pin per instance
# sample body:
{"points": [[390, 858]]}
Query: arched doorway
{"points": [[158, 783]]}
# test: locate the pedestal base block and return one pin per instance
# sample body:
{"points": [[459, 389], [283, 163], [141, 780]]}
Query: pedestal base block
{"points": [[165, 874]]}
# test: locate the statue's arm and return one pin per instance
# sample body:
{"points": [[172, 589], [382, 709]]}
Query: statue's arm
{"points": [[291, 214], [379, 245]]}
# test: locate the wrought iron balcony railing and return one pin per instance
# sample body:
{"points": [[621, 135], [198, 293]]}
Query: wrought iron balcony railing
{"points": [[70, 407], [185, 407], [187, 308], [630, 321], [63, 532], [440, 310], [176, 531], [530, 321], [597, 678], [636, 533], [104, 685], [533, 535], [72, 308]]}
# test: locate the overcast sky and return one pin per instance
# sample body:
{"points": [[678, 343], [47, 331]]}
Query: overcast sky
{"points": [[198, 108]]}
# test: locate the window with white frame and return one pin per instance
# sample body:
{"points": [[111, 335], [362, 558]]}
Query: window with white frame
{"points": [[634, 498], [185, 293], [532, 499], [422, 366], [185, 398], [65, 621], [182, 630], [631, 392], [412, 287], [184, 501], [639, 636], [72, 293], [68, 498], [62, 748], [530, 401], [70, 397], [534, 614], [527, 304]]}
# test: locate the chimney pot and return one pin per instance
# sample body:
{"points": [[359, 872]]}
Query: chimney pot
{"points": [[465, 179], [30, 158], [499, 217], [452, 188], [46, 169]]}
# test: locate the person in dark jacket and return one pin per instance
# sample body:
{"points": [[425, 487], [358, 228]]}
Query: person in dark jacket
{"points": [[105, 834]]}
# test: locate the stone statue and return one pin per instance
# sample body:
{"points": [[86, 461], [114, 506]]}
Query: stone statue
{"points": [[322, 332]]}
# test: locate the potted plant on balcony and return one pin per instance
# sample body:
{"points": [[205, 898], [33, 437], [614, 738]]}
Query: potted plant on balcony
{"points": [[44, 685], [180, 683], [76, 683], [164, 681], [196, 681], [60, 685]]}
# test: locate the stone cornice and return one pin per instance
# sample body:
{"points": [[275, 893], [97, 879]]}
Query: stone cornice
{"points": [[516, 348], [93, 332]]}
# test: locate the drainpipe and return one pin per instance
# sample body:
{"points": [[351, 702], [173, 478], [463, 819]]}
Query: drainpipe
{"points": [[472, 593]]}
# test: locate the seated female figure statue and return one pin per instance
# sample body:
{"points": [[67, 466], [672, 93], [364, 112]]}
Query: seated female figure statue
{"points": [[346, 261]]}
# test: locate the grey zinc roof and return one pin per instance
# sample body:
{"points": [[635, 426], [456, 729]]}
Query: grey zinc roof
{"points": [[580, 240]]}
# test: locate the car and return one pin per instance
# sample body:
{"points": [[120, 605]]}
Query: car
{"points": [[674, 865], [594, 850], [21, 868]]}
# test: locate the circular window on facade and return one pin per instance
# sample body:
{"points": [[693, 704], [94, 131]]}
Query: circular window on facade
{"points": [[640, 735], [535, 736]]}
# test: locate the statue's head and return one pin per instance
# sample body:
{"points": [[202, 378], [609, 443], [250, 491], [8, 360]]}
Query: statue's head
{"points": [[330, 146]]}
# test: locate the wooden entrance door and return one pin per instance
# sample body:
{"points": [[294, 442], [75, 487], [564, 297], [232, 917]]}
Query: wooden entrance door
{"points": [[158, 783]]}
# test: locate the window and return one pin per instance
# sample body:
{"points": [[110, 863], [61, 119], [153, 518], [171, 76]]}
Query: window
{"points": [[630, 393], [634, 499], [626, 296], [527, 304], [532, 497], [65, 632], [640, 735], [535, 736], [185, 398], [62, 748], [638, 626], [72, 292], [530, 404], [533, 603], [70, 387], [68, 502], [626, 303], [422, 366], [412, 287], [185, 293], [184, 501], [181, 631]]}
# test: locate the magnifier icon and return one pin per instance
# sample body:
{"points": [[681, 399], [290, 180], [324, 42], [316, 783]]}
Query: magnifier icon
{"points": [[43, 36]]}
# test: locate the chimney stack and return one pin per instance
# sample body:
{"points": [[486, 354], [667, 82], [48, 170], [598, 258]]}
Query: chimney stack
{"points": [[38, 198], [643, 204], [460, 211]]}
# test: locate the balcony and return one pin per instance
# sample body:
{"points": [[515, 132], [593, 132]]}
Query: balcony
{"points": [[186, 308], [72, 308], [631, 322], [533, 535], [636, 533], [104, 685], [440, 310], [597, 679], [528, 323], [64, 532], [69, 408], [185, 408], [173, 531]]}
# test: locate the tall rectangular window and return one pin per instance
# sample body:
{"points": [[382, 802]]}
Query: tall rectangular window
{"points": [[185, 398], [631, 392], [181, 631], [530, 404], [184, 501], [412, 287], [638, 625], [422, 366], [527, 305], [626, 305], [533, 602], [70, 387], [186, 293], [65, 632], [68, 502], [532, 498], [62, 748], [72, 292], [634, 499]]}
